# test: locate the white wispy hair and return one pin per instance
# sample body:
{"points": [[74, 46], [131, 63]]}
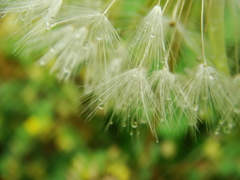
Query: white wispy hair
{"points": [[69, 48], [173, 103], [36, 17], [209, 91], [129, 96], [148, 42], [101, 35]]}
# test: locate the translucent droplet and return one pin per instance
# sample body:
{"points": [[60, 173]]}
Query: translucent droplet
{"points": [[168, 97], [211, 77], [205, 98], [66, 71], [135, 73], [111, 122], [23, 18], [236, 110], [86, 45], [99, 35], [157, 141], [131, 133], [100, 99], [153, 36], [221, 122], [217, 133], [77, 34], [52, 50], [195, 107], [101, 106], [49, 23], [124, 125], [42, 63], [134, 125]]}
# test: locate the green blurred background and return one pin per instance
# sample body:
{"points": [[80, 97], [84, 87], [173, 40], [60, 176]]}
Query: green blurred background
{"points": [[43, 136]]}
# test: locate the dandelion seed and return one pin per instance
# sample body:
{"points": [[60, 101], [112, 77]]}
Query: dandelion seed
{"points": [[173, 102], [101, 35], [37, 16], [68, 54], [132, 85], [211, 94]]}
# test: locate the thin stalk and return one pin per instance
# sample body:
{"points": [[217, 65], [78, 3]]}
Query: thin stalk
{"points": [[202, 35], [110, 5], [216, 35], [165, 5]]}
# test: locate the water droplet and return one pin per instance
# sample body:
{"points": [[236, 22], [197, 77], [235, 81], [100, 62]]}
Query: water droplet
{"points": [[111, 122], [42, 63], [135, 73], [211, 77], [86, 45], [49, 23], [101, 106], [52, 50], [100, 99], [217, 133], [205, 97], [221, 122], [124, 125], [23, 18], [131, 133], [153, 36], [157, 141], [168, 97], [134, 125], [99, 35], [236, 110], [195, 107], [66, 71]]}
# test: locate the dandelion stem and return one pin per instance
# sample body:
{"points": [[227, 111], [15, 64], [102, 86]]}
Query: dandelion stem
{"points": [[174, 15], [202, 34], [109, 7], [165, 5], [216, 34]]}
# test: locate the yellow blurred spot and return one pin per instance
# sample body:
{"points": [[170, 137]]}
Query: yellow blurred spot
{"points": [[64, 141], [168, 149], [35, 126], [212, 149], [119, 170]]}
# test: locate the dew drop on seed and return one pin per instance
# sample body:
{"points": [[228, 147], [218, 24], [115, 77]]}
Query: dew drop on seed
{"points": [[66, 71], [211, 77], [42, 63], [236, 110], [205, 98], [153, 36], [86, 45], [168, 97], [221, 122], [157, 141], [52, 50], [99, 35], [135, 73], [101, 106], [134, 125], [195, 107]]}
